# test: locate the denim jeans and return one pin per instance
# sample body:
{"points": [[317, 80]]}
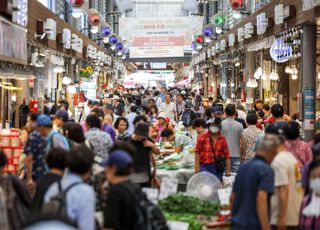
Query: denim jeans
{"points": [[211, 168], [235, 163]]}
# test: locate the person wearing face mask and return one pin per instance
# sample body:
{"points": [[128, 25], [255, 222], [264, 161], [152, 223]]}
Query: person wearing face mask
{"points": [[211, 152], [310, 208]]}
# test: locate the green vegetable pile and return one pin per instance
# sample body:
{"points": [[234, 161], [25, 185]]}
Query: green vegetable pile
{"points": [[182, 204], [187, 218], [179, 207]]}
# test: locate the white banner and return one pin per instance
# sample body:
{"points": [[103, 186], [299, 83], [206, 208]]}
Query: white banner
{"points": [[163, 36]]}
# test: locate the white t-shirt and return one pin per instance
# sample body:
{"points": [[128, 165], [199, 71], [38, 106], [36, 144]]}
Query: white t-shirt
{"points": [[168, 109], [287, 172]]}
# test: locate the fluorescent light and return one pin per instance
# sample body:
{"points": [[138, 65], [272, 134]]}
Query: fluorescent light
{"points": [[94, 29], [274, 76]]}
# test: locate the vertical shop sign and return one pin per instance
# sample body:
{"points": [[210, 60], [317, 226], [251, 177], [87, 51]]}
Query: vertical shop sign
{"points": [[248, 30], [262, 23], [309, 109], [231, 39], [240, 34], [278, 14]]}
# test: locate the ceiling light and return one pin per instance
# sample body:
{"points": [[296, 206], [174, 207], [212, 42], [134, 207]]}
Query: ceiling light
{"points": [[288, 69], [94, 29], [237, 64], [274, 76], [294, 76], [252, 83], [66, 80], [76, 13]]}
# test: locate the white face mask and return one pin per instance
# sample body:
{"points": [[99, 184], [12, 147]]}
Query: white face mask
{"points": [[315, 185], [214, 129]]}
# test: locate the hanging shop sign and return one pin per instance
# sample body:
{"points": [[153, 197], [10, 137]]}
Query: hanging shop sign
{"points": [[240, 34], [223, 45], [281, 51], [56, 60], [309, 4], [31, 83], [248, 30], [66, 38], [50, 28], [13, 42], [76, 43], [208, 53], [283, 12], [91, 52], [231, 39], [262, 23], [20, 14]]}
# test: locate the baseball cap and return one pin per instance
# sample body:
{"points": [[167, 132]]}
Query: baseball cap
{"points": [[119, 158], [217, 109], [62, 114], [44, 120], [142, 129]]}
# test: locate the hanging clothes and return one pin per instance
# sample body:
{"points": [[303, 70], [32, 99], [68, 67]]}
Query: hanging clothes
{"points": [[23, 114]]}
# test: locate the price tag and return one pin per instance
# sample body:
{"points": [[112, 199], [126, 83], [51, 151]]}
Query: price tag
{"points": [[152, 194], [177, 225], [168, 186]]}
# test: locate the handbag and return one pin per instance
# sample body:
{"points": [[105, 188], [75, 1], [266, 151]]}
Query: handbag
{"points": [[220, 161]]}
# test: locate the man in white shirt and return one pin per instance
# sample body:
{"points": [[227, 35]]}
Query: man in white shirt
{"points": [[130, 117], [169, 108]]}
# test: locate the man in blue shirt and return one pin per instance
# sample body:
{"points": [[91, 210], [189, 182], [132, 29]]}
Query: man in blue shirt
{"points": [[54, 138], [81, 197], [253, 187]]}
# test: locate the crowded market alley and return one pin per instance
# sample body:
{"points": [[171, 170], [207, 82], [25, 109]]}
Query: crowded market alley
{"points": [[160, 114]]}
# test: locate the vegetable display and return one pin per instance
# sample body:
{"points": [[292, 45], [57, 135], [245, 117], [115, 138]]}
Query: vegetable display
{"points": [[179, 203], [194, 224]]}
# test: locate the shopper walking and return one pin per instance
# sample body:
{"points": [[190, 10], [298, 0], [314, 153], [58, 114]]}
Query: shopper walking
{"points": [[100, 140], [108, 128], [35, 152], [287, 198], [168, 108], [130, 117], [80, 198], [211, 151], [122, 125], [199, 124], [248, 137], [300, 149], [54, 138], [180, 104], [253, 186], [310, 212], [232, 131]]}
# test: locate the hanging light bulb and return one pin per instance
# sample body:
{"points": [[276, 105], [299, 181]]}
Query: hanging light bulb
{"points": [[258, 73], [105, 40], [236, 14], [123, 56], [288, 69], [252, 83], [294, 71], [318, 76], [237, 64], [198, 47], [294, 76], [274, 76], [119, 53], [218, 30], [113, 47], [264, 76], [66, 80], [94, 29], [207, 39]]}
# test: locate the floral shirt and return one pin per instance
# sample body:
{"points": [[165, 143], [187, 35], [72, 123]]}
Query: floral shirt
{"points": [[207, 152], [36, 146], [248, 140], [100, 141], [301, 150]]}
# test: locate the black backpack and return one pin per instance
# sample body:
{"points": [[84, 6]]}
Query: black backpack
{"points": [[57, 205], [148, 215]]}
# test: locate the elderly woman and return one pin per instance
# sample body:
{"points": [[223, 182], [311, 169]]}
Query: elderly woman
{"points": [[121, 125]]}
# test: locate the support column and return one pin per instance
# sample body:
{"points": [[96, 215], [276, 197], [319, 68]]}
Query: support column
{"points": [[250, 68], [309, 79]]}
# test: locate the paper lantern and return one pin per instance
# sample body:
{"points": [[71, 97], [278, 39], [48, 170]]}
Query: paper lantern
{"points": [[207, 32], [94, 17], [106, 31], [236, 4], [200, 39], [119, 46], [77, 3], [113, 39], [218, 20]]}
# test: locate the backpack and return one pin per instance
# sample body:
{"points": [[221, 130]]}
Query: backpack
{"points": [[57, 205], [148, 215]]}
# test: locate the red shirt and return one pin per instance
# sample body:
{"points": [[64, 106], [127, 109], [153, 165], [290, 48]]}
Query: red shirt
{"points": [[205, 150]]}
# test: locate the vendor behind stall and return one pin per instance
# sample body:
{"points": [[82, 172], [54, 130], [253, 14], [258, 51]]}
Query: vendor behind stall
{"points": [[180, 140]]}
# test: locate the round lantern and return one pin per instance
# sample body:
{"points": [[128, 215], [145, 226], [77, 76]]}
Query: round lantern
{"points": [[125, 50], [236, 4], [218, 20], [200, 39], [94, 17], [207, 32], [113, 39], [77, 3], [119, 46], [106, 31]]}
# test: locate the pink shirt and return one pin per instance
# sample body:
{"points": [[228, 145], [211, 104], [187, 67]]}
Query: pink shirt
{"points": [[301, 150]]}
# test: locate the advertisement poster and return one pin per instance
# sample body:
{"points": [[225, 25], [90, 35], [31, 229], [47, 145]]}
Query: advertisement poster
{"points": [[159, 37]]}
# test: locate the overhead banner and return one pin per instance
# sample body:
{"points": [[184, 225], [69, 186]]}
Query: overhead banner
{"points": [[159, 37]]}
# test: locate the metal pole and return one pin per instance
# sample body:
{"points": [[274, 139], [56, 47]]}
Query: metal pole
{"points": [[309, 79]]}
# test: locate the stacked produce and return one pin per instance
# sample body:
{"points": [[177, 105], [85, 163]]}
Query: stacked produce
{"points": [[194, 211]]}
